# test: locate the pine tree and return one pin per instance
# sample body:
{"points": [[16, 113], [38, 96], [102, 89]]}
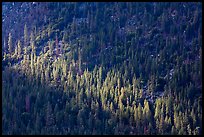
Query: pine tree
{"points": [[50, 43], [119, 85], [169, 106], [64, 68], [16, 51], [5, 47], [55, 73], [157, 109], [176, 120], [57, 45], [42, 78], [146, 110], [10, 46], [161, 125], [32, 64], [49, 30], [140, 112], [19, 48], [25, 55], [33, 53], [47, 76]]}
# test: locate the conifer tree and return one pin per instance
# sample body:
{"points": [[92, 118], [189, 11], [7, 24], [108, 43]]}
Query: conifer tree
{"points": [[10, 46], [19, 48]]}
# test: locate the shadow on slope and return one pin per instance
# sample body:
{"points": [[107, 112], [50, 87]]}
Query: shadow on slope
{"points": [[30, 107]]}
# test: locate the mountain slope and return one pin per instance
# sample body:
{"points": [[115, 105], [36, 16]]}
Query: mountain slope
{"points": [[102, 68]]}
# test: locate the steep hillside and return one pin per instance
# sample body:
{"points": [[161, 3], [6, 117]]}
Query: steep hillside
{"points": [[101, 68]]}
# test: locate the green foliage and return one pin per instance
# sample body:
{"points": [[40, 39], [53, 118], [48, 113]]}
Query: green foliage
{"points": [[10, 44], [105, 68]]}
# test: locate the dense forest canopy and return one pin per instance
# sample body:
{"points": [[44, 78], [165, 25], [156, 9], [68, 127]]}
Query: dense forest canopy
{"points": [[102, 68]]}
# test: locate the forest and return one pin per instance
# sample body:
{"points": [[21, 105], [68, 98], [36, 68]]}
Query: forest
{"points": [[101, 68]]}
